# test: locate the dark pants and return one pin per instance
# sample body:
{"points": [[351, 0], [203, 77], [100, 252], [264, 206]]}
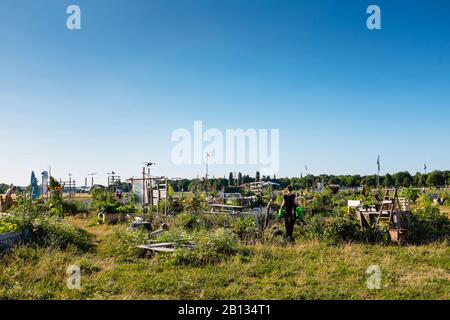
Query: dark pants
{"points": [[289, 221]]}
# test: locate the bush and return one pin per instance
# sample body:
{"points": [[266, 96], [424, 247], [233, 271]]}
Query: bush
{"points": [[211, 248], [410, 194], [104, 200], [335, 230], [187, 221], [122, 244], [6, 227], [245, 228], [128, 208], [322, 203], [427, 222], [342, 230], [73, 207], [59, 235], [196, 204]]}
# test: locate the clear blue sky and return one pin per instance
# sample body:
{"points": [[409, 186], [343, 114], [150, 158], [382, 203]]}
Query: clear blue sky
{"points": [[107, 97]]}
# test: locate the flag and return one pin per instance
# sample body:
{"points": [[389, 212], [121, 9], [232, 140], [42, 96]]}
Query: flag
{"points": [[306, 167]]}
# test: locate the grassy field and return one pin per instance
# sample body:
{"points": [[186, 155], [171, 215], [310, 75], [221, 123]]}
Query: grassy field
{"points": [[305, 270]]}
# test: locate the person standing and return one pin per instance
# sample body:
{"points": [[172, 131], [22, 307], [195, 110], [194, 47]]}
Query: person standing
{"points": [[289, 204]]}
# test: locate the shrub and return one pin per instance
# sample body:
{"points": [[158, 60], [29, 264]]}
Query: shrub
{"points": [[60, 235], [322, 203], [342, 230], [6, 227], [128, 208], [196, 204], [245, 228], [211, 248], [427, 222], [410, 194], [72, 207], [122, 244], [335, 230], [187, 221], [104, 200]]}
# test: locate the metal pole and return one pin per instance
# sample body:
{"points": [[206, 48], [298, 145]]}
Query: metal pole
{"points": [[165, 200], [143, 190]]}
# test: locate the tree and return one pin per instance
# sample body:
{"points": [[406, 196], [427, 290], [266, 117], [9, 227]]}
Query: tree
{"points": [[370, 181], [417, 180], [230, 179], [239, 179], [388, 181], [258, 176], [435, 179], [3, 188], [403, 179]]}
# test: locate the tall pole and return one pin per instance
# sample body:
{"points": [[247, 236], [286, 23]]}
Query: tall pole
{"points": [[143, 190], [42, 185], [378, 172], [70, 185]]}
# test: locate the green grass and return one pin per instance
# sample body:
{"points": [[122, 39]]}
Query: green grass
{"points": [[306, 270]]}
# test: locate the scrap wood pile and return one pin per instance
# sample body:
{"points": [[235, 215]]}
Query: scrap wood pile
{"points": [[167, 246]]}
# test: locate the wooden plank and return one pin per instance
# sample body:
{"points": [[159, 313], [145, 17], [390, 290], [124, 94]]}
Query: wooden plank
{"points": [[160, 249]]}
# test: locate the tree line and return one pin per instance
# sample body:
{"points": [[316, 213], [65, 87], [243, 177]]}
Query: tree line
{"points": [[434, 179]]}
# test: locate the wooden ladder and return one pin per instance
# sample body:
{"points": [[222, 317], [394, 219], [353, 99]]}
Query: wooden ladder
{"points": [[390, 201]]}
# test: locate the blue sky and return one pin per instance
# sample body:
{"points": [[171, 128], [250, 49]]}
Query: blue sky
{"points": [[108, 96]]}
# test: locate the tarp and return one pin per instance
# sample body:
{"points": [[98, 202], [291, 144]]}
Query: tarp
{"points": [[138, 194], [45, 182], [35, 190]]}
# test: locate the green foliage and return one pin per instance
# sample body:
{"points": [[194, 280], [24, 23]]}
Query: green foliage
{"points": [[334, 230], [410, 194], [245, 228], [71, 207], [122, 244], [6, 227], [196, 204], [427, 222], [211, 248], [59, 235], [187, 221], [55, 204], [322, 203], [3, 188], [103, 200], [128, 208]]}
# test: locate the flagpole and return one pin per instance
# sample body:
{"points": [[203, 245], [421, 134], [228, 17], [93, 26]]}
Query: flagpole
{"points": [[378, 174]]}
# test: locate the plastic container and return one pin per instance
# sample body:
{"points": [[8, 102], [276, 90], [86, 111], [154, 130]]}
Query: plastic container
{"points": [[299, 212]]}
